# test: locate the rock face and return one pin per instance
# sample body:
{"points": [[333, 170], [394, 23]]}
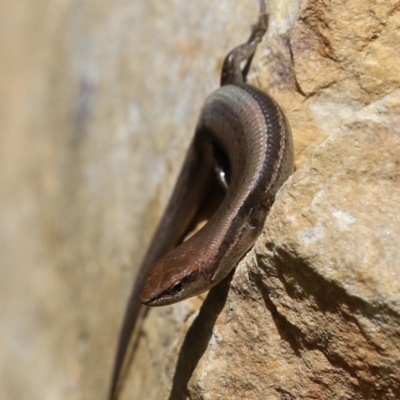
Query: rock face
{"points": [[314, 310], [328, 263], [100, 101]]}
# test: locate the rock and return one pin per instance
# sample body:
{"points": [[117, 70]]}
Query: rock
{"points": [[329, 260], [313, 311], [100, 101]]}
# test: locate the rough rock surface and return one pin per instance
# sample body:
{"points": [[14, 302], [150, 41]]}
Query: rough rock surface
{"points": [[99, 101], [314, 311]]}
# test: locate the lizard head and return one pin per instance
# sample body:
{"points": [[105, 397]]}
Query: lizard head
{"points": [[177, 276]]}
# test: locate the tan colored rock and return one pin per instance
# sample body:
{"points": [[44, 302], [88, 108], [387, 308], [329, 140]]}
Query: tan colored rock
{"points": [[313, 312], [329, 263], [99, 101]]}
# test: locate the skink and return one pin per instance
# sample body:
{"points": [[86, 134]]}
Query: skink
{"points": [[242, 140]]}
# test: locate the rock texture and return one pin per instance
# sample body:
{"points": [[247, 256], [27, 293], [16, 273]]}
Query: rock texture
{"points": [[99, 101], [313, 312], [328, 264]]}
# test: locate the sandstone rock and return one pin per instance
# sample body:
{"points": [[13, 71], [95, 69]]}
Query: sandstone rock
{"points": [[99, 101], [313, 312]]}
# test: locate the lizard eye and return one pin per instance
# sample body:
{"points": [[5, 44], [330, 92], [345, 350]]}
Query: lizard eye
{"points": [[177, 288]]}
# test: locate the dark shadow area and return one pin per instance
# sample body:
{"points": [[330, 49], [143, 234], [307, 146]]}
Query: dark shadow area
{"points": [[287, 331], [198, 337]]}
